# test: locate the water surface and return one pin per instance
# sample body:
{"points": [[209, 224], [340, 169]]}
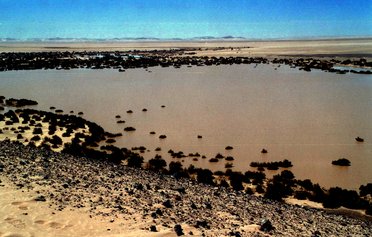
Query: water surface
{"points": [[310, 118]]}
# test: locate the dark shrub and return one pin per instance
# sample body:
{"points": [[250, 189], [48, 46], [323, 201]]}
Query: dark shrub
{"points": [[236, 179], [223, 183], [341, 162], [135, 160], [213, 160], [306, 184], [175, 167], [205, 176], [341, 197], [301, 195], [157, 163], [365, 189], [129, 129], [275, 191]]}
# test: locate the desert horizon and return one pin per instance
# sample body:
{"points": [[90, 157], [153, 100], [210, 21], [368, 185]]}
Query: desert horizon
{"points": [[185, 118]]}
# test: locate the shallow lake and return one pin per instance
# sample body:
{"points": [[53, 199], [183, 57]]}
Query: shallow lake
{"points": [[309, 118]]}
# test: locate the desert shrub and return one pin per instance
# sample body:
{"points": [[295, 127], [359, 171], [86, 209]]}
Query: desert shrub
{"points": [[275, 191], [364, 190], [175, 167], [157, 163], [341, 162], [257, 177], [306, 184], [135, 160], [205, 176], [301, 195], [337, 197], [236, 180]]}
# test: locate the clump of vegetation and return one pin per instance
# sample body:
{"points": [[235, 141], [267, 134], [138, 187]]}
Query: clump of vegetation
{"points": [[135, 160], [275, 165], [20, 102], [157, 163], [129, 129], [341, 162], [365, 190], [205, 176]]}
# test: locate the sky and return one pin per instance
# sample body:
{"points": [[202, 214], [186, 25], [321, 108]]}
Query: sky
{"points": [[256, 19]]}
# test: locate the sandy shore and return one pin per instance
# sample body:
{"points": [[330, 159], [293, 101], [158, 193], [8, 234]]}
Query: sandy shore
{"points": [[332, 47], [52, 194]]}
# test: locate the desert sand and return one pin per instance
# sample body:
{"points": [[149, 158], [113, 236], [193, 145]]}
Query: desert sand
{"points": [[349, 47]]}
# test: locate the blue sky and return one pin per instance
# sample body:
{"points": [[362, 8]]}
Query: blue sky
{"points": [[184, 18]]}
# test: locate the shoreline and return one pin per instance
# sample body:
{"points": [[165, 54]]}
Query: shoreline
{"points": [[355, 47]]}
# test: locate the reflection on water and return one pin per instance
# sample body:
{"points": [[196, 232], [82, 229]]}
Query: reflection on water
{"points": [[357, 69], [310, 118]]}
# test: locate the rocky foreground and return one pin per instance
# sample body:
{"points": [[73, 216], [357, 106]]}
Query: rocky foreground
{"points": [[115, 192]]}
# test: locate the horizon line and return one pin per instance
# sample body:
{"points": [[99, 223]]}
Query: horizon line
{"points": [[196, 38]]}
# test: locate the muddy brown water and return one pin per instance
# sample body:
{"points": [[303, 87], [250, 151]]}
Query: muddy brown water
{"points": [[309, 118]]}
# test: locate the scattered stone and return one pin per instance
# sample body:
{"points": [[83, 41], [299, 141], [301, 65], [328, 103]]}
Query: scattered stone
{"points": [[266, 225], [153, 228], [40, 199], [178, 229], [202, 224], [168, 204]]}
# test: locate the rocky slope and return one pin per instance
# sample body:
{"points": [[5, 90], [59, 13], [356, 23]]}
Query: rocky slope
{"points": [[118, 193]]}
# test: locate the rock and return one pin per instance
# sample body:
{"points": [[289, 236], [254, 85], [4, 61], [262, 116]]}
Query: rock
{"points": [[180, 189], [178, 229], [263, 151], [168, 204], [229, 148], [153, 228], [235, 233], [159, 212], [40, 198], [266, 225], [316, 234], [202, 223]]}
